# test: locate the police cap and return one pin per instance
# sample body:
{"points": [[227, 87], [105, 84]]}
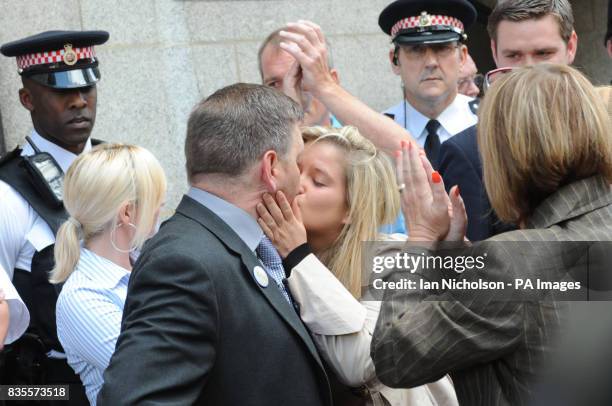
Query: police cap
{"points": [[427, 21], [58, 59]]}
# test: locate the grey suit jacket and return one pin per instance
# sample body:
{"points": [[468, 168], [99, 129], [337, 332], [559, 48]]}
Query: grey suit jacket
{"points": [[494, 350], [198, 329]]}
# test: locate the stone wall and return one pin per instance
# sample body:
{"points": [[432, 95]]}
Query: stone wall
{"points": [[165, 55]]}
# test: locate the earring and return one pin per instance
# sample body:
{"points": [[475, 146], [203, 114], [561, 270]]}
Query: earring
{"points": [[112, 235]]}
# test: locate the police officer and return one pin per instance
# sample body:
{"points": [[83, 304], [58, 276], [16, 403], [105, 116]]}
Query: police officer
{"points": [[59, 72], [428, 53]]}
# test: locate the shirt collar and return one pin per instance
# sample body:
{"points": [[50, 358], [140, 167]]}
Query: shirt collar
{"points": [[460, 107], [415, 121], [104, 272], [334, 121], [454, 119], [241, 222], [63, 157]]}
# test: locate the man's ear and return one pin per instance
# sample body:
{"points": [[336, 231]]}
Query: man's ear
{"points": [[572, 47], [494, 52], [269, 170], [395, 68], [463, 52], [25, 97]]}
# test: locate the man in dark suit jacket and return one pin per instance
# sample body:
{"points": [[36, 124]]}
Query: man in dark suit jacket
{"points": [[207, 318], [511, 27], [460, 165]]}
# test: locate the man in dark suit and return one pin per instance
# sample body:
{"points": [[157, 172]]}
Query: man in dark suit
{"points": [[523, 32], [460, 165], [208, 319]]}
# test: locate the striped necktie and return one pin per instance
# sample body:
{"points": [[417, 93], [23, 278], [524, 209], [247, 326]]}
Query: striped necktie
{"points": [[273, 264]]}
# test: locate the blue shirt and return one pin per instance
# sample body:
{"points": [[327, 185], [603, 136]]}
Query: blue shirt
{"points": [[88, 312], [457, 117], [241, 222], [334, 121]]}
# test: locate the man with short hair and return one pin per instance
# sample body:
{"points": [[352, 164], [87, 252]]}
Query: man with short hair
{"points": [[310, 74], [428, 54], [523, 32], [59, 72], [274, 63], [467, 78], [208, 316], [526, 32]]}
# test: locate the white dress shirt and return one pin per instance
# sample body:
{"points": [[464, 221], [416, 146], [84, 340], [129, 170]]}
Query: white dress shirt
{"points": [[22, 230], [88, 316], [455, 118], [19, 317]]}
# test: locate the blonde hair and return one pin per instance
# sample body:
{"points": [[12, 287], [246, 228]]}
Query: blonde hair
{"points": [[540, 128], [372, 199], [96, 185], [605, 93]]}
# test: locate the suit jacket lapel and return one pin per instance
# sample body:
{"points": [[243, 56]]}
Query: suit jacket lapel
{"points": [[199, 213]]}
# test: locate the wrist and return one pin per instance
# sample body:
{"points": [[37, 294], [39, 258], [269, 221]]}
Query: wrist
{"points": [[325, 89], [420, 236], [296, 256]]}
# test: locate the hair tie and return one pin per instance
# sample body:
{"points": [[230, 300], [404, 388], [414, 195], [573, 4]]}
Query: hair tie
{"points": [[75, 222]]}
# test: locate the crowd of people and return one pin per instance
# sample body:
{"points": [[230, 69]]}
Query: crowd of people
{"points": [[255, 290]]}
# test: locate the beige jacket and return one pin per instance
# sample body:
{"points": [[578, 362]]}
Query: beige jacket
{"points": [[342, 328]]}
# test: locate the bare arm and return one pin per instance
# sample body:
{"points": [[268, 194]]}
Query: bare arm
{"points": [[304, 40]]}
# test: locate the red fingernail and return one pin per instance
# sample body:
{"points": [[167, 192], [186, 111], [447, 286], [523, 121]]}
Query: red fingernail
{"points": [[398, 153], [435, 177], [457, 191], [409, 146]]}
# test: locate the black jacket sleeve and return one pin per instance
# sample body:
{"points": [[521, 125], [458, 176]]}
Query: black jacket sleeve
{"points": [[169, 333]]}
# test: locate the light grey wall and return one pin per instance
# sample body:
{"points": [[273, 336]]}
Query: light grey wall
{"points": [[165, 55]]}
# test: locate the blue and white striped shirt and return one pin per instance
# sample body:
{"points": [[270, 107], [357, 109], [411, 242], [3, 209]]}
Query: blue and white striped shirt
{"points": [[89, 311]]}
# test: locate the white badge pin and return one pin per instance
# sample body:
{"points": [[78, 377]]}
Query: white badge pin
{"points": [[261, 276]]}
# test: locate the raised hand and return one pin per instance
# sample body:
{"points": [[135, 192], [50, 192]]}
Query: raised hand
{"points": [[304, 40], [282, 222], [425, 203], [458, 224]]}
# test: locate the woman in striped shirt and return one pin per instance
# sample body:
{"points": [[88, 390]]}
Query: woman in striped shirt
{"points": [[113, 195]]}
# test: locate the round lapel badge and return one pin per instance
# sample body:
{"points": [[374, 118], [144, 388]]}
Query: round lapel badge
{"points": [[261, 276]]}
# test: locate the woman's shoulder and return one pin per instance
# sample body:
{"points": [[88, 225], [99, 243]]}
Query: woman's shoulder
{"points": [[92, 276]]}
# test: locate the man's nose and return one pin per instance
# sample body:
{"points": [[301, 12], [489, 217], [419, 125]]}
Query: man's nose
{"points": [[302, 186], [431, 59], [473, 90], [528, 60], [78, 99]]}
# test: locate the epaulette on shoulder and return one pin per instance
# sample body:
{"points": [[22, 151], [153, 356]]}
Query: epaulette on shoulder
{"points": [[9, 156]]}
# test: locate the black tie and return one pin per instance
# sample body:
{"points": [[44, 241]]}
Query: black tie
{"points": [[432, 143]]}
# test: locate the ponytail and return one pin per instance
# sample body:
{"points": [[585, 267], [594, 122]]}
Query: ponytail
{"points": [[67, 250]]}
